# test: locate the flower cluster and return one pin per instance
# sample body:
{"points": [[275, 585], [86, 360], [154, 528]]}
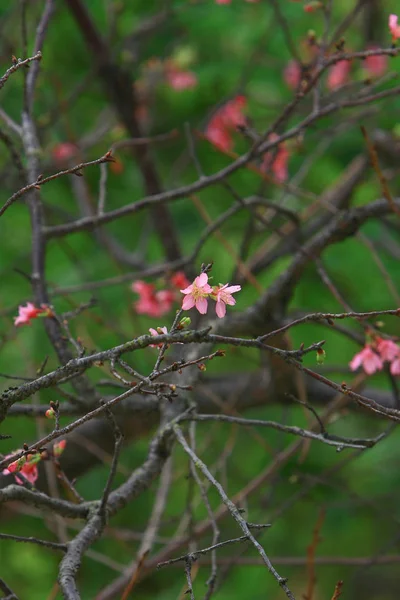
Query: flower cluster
{"points": [[198, 293], [29, 312], [156, 303], [374, 354], [28, 465], [339, 73]]}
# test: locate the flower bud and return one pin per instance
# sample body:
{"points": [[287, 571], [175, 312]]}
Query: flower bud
{"points": [[50, 413], [321, 354], [185, 321], [59, 448]]}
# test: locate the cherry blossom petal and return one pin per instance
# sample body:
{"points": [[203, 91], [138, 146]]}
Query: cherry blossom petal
{"points": [[188, 302], [220, 309], [202, 305]]}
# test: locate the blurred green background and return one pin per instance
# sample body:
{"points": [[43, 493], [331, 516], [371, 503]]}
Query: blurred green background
{"points": [[240, 48]]}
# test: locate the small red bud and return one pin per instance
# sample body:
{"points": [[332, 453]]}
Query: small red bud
{"points": [[50, 413]]}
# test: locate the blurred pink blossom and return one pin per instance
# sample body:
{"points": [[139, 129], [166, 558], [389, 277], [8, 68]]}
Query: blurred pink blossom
{"points": [[394, 28], [225, 121], [65, 152], [387, 349], [376, 65], [179, 280], [26, 313], [368, 359], [395, 366], [338, 74], [180, 79], [277, 160], [152, 303], [292, 74]]}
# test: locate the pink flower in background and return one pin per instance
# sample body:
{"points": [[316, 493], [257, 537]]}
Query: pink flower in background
{"points": [[223, 296], [180, 79], [292, 74], [387, 349], [395, 366], [197, 293], [231, 114], [165, 299], [277, 160], [377, 65], [26, 313], [368, 359], [64, 153], [394, 28], [218, 136], [179, 280], [338, 75], [27, 467], [225, 121], [152, 303]]}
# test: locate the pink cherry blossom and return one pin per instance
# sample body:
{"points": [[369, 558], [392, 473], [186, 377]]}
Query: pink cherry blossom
{"points": [[197, 293], [387, 349], [368, 359], [338, 75], [395, 366], [376, 65], [27, 467], [180, 79], [26, 313], [394, 28], [152, 303], [292, 74], [223, 296], [277, 160]]}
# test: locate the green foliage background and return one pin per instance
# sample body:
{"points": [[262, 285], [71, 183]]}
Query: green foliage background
{"points": [[237, 48]]}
